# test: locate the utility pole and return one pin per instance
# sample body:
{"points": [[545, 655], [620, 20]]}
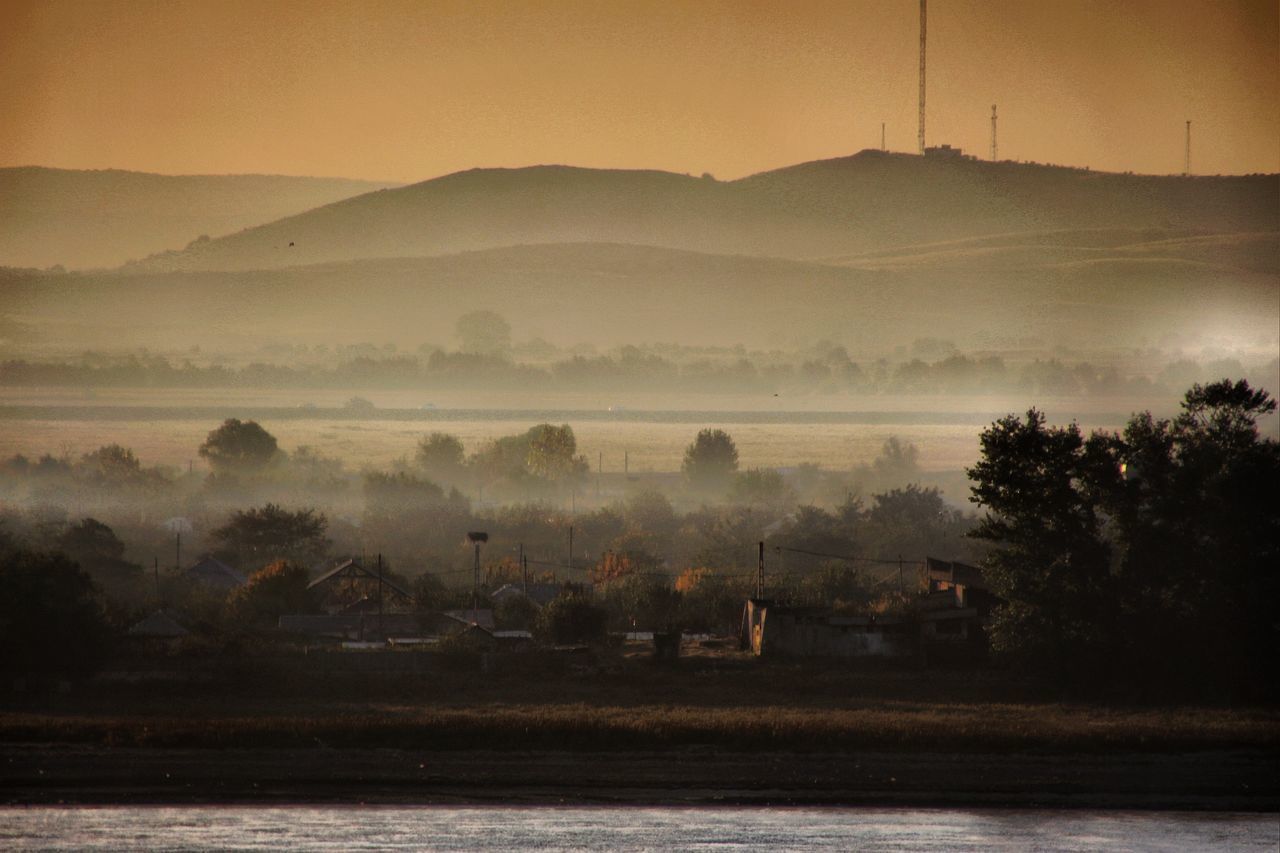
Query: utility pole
{"points": [[177, 551], [570, 551], [476, 537], [923, 21], [760, 574], [157, 571], [599, 473], [881, 136], [381, 633], [901, 589]]}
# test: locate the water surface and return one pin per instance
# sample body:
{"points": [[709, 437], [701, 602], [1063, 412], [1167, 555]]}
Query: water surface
{"points": [[572, 828]]}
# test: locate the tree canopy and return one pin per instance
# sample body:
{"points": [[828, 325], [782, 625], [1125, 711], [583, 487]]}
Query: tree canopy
{"points": [[50, 619], [711, 460], [270, 532], [239, 447], [1149, 555]]}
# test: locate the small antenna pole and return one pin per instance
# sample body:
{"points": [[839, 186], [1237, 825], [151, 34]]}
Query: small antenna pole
{"points": [[923, 21], [994, 148], [1186, 168]]}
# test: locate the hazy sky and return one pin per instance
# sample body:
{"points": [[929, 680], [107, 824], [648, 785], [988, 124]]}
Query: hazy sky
{"points": [[410, 90]]}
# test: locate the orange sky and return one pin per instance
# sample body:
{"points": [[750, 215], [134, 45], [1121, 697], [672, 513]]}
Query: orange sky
{"points": [[409, 90]]}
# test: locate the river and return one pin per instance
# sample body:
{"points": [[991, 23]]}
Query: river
{"points": [[502, 828]]}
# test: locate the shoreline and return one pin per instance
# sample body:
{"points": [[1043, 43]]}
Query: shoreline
{"points": [[1246, 780]]}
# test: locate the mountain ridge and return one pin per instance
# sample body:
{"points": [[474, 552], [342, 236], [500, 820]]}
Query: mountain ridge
{"points": [[866, 202]]}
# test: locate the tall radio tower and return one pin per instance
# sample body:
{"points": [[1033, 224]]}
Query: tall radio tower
{"points": [[923, 19], [994, 149]]}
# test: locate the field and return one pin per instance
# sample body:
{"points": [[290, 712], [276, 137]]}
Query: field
{"points": [[714, 728], [649, 432]]}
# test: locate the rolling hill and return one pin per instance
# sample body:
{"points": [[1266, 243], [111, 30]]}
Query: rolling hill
{"points": [[611, 294], [104, 218], [872, 201]]}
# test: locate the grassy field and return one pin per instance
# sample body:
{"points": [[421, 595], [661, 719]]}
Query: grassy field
{"points": [[735, 703], [767, 435]]}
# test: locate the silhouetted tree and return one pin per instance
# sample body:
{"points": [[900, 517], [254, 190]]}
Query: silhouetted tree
{"points": [[1050, 563], [50, 619], [440, 456], [711, 460], [272, 591], [239, 447], [270, 532], [552, 454]]}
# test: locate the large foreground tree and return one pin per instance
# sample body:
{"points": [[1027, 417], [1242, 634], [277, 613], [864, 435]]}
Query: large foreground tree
{"points": [[1152, 555]]}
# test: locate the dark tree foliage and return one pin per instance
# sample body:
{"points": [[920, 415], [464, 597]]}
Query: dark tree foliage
{"points": [[1149, 556], [239, 447], [97, 549], [50, 619], [572, 619], [642, 602], [270, 532], [1196, 513], [440, 455], [1051, 564], [273, 591], [711, 460]]}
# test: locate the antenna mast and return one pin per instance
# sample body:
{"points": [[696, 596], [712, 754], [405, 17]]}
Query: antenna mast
{"points": [[923, 20], [994, 149], [1186, 169]]}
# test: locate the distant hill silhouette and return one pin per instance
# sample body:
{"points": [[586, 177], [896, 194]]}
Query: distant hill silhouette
{"points": [[104, 218], [617, 293], [869, 202]]}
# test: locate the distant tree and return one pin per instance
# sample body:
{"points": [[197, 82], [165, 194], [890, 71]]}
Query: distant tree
{"points": [[270, 532], [897, 465], [315, 469], [552, 454], [100, 553], [711, 460], [112, 463], [239, 447], [761, 486], [50, 619], [399, 492], [429, 592], [484, 333], [359, 406], [272, 591], [917, 522], [441, 456]]}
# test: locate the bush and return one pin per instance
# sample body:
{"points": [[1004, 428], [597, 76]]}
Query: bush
{"points": [[50, 620], [572, 619], [515, 613]]}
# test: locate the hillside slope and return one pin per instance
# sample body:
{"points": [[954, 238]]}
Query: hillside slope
{"points": [[103, 218], [871, 201], [611, 294]]}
